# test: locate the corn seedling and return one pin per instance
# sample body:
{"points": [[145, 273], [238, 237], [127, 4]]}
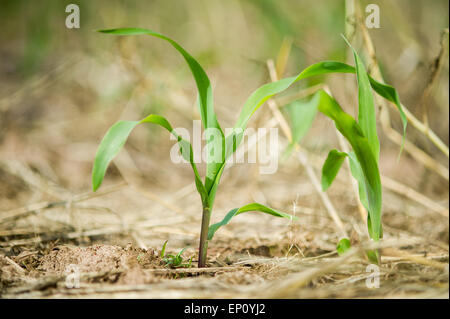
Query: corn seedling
{"points": [[219, 147], [174, 261], [362, 137], [343, 245]]}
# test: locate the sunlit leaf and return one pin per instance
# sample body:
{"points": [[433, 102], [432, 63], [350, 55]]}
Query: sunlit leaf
{"points": [[362, 136], [116, 137], [331, 167], [343, 246], [163, 250], [390, 94], [301, 114], [366, 108], [254, 207], [263, 93], [373, 255], [369, 166], [358, 174], [205, 101]]}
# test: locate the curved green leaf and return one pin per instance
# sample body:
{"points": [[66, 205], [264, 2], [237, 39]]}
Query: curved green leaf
{"points": [[366, 108], [343, 245], [205, 102], [358, 174], [373, 255], [301, 114], [116, 137], [247, 208], [263, 93], [110, 145], [224, 147], [390, 94], [163, 249], [331, 167], [366, 159]]}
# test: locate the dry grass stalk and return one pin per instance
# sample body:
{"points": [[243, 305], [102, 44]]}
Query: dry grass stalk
{"points": [[302, 157]]}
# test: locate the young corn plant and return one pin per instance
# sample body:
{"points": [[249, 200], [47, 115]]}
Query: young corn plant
{"points": [[361, 135], [220, 147], [174, 261]]}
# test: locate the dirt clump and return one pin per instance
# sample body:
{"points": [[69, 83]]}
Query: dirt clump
{"points": [[127, 264]]}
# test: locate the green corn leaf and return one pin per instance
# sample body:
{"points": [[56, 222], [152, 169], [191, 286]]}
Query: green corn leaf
{"points": [[366, 159], [343, 246], [358, 174], [247, 208], [111, 144], [390, 94], [366, 109], [301, 115], [163, 250], [384, 90], [177, 260], [181, 251], [263, 93], [374, 256], [331, 167], [224, 147], [216, 143], [116, 137]]}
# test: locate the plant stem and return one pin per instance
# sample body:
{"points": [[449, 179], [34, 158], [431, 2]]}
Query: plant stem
{"points": [[203, 248]]}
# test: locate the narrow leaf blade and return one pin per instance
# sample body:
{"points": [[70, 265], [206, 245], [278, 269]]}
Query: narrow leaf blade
{"points": [[331, 167], [390, 94], [163, 250], [116, 137], [358, 174], [205, 102], [247, 208], [301, 114], [366, 108], [343, 245], [366, 159], [110, 145]]}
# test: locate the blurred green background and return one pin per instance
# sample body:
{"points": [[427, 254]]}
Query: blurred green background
{"points": [[60, 89]]}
